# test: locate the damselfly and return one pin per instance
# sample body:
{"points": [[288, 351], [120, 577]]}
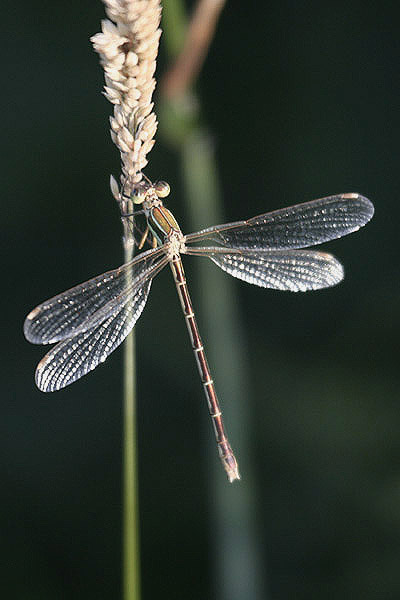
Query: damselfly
{"points": [[90, 320]]}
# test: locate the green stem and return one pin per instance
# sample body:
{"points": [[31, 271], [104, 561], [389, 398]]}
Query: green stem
{"points": [[174, 13], [239, 571], [131, 551]]}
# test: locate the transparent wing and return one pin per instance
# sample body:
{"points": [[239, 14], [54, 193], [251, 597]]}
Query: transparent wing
{"points": [[297, 226], [291, 270], [75, 357], [83, 306]]}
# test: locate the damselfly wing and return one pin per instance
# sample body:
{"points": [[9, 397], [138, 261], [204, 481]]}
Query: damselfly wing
{"points": [[271, 250]]}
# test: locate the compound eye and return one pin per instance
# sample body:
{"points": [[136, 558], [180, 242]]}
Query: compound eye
{"points": [[162, 189], [138, 195]]}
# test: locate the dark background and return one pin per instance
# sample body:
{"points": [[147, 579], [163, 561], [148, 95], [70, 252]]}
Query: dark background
{"points": [[302, 99]]}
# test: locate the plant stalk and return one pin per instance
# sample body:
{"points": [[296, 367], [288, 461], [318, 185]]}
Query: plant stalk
{"points": [[130, 526], [239, 571]]}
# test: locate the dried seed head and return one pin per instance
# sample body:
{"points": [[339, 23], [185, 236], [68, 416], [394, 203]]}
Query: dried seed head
{"points": [[128, 50], [114, 188]]}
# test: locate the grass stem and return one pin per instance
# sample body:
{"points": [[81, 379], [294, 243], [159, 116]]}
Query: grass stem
{"points": [[130, 525]]}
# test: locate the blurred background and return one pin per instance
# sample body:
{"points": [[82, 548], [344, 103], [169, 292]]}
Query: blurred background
{"points": [[301, 100]]}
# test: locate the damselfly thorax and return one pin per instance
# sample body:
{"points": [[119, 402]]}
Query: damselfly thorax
{"points": [[161, 223], [271, 250]]}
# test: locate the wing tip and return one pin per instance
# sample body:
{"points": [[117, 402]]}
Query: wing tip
{"points": [[365, 203], [28, 324], [337, 271], [41, 382], [332, 274], [28, 333]]}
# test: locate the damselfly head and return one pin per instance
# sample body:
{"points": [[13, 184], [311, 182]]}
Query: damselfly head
{"points": [[162, 189]]}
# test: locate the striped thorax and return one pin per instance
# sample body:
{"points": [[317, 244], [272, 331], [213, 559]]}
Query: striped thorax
{"points": [[160, 220]]}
